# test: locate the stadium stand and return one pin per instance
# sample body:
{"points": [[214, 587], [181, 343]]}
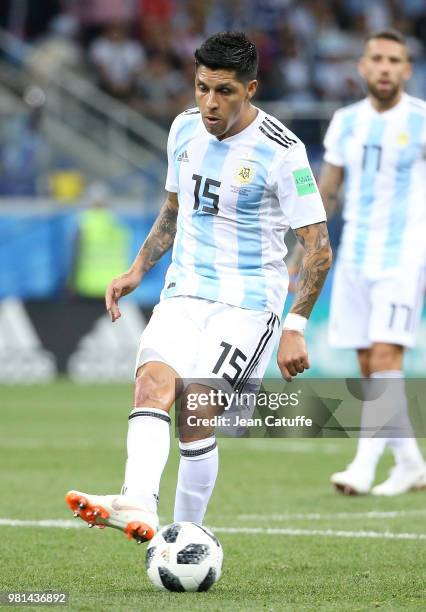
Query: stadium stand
{"points": [[66, 123]]}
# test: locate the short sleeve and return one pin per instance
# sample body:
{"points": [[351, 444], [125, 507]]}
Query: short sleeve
{"points": [[172, 184], [297, 190], [332, 142]]}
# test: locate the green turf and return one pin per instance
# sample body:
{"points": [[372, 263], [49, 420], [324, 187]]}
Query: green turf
{"points": [[64, 436]]}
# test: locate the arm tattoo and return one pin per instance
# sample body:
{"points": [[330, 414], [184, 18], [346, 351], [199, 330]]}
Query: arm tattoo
{"points": [[161, 236], [315, 265]]}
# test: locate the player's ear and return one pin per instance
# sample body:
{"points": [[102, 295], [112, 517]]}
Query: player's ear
{"points": [[251, 88], [361, 67], [408, 70]]}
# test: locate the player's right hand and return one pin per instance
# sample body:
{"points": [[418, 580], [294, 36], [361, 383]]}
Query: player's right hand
{"points": [[292, 357], [117, 288]]}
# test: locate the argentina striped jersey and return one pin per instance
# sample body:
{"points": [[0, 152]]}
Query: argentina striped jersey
{"points": [[237, 199], [384, 161]]}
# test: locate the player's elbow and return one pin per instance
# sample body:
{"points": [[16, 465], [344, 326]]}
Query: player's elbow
{"points": [[325, 256], [328, 256]]}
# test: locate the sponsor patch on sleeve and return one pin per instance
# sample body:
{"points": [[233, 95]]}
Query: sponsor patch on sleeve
{"points": [[305, 183]]}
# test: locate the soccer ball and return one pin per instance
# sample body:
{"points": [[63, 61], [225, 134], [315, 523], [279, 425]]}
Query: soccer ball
{"points": [[184, 557]]}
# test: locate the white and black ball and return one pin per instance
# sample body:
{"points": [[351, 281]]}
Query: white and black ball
{"points": [[184, 557]]}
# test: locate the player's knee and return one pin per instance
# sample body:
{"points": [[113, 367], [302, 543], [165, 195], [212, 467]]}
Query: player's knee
{"points": [[154, 389], [364, 358], [385, 357]]}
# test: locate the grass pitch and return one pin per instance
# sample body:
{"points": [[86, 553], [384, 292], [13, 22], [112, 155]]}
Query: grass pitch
{"points": [[311, 549]]}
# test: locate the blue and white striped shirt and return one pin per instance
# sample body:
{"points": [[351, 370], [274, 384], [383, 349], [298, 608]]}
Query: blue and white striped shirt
{"points": [[237, 199], [384, 161]]}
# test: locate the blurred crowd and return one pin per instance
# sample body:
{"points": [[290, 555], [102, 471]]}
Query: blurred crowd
{"points": [[141, 53]]}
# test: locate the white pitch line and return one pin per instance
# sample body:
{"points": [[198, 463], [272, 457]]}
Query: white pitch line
{"points": [[62, 524], [304, 447], [315, 516], [387, 535]]}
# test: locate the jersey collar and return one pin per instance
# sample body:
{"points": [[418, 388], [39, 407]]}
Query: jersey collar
{"points": [[394, 110]]}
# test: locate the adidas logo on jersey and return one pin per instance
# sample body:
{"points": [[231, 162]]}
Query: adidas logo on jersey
{"points": [[183, 157]]}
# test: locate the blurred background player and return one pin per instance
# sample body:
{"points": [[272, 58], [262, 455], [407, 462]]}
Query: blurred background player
{"points": [[377, 146], [102, 245], [237, 180], [84, 134]]}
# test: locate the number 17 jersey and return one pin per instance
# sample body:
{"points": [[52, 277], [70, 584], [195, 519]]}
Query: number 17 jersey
{"points": [[383, 156], [237, 199]]}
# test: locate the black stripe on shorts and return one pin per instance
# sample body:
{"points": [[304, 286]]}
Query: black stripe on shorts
{"points": [[257, 353]]}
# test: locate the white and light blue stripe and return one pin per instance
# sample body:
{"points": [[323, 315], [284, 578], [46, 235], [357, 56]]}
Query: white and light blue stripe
{"points": [[184, 135], [367, 197], [250, 233], [398, 214], [204, 223]]}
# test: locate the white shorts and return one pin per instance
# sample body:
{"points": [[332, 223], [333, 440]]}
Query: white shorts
{"points": [[386, 308], [201, 339]]}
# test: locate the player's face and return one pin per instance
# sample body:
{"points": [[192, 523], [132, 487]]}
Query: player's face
{"points": [[224, 101], [385, 67]]}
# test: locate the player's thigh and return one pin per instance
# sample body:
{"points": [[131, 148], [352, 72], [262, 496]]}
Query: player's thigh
{"points": [[396, 304], [171, 337], [349, 309], [237, 344]]}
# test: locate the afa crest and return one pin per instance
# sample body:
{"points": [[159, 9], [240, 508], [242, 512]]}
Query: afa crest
{"points": [[245, 174], [402, 139]]}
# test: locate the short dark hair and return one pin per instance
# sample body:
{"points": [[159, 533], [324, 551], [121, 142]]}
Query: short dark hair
{"points": [[387, 34], [231, 51]]}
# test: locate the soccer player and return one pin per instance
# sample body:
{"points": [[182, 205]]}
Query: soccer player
{"points": [[378, 147], [237, 180]]}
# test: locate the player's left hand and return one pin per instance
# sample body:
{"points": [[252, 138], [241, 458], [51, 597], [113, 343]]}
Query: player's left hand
{"points": [[292, 354]]}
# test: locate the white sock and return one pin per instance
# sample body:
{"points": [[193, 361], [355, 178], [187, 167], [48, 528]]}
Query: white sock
{"points": [[368, 453], [405, 449], [148, 445], [198, 468], [369, 449]]}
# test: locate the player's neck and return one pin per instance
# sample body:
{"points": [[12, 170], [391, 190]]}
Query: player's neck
{"points": [[381, 106], [247, 117]]}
